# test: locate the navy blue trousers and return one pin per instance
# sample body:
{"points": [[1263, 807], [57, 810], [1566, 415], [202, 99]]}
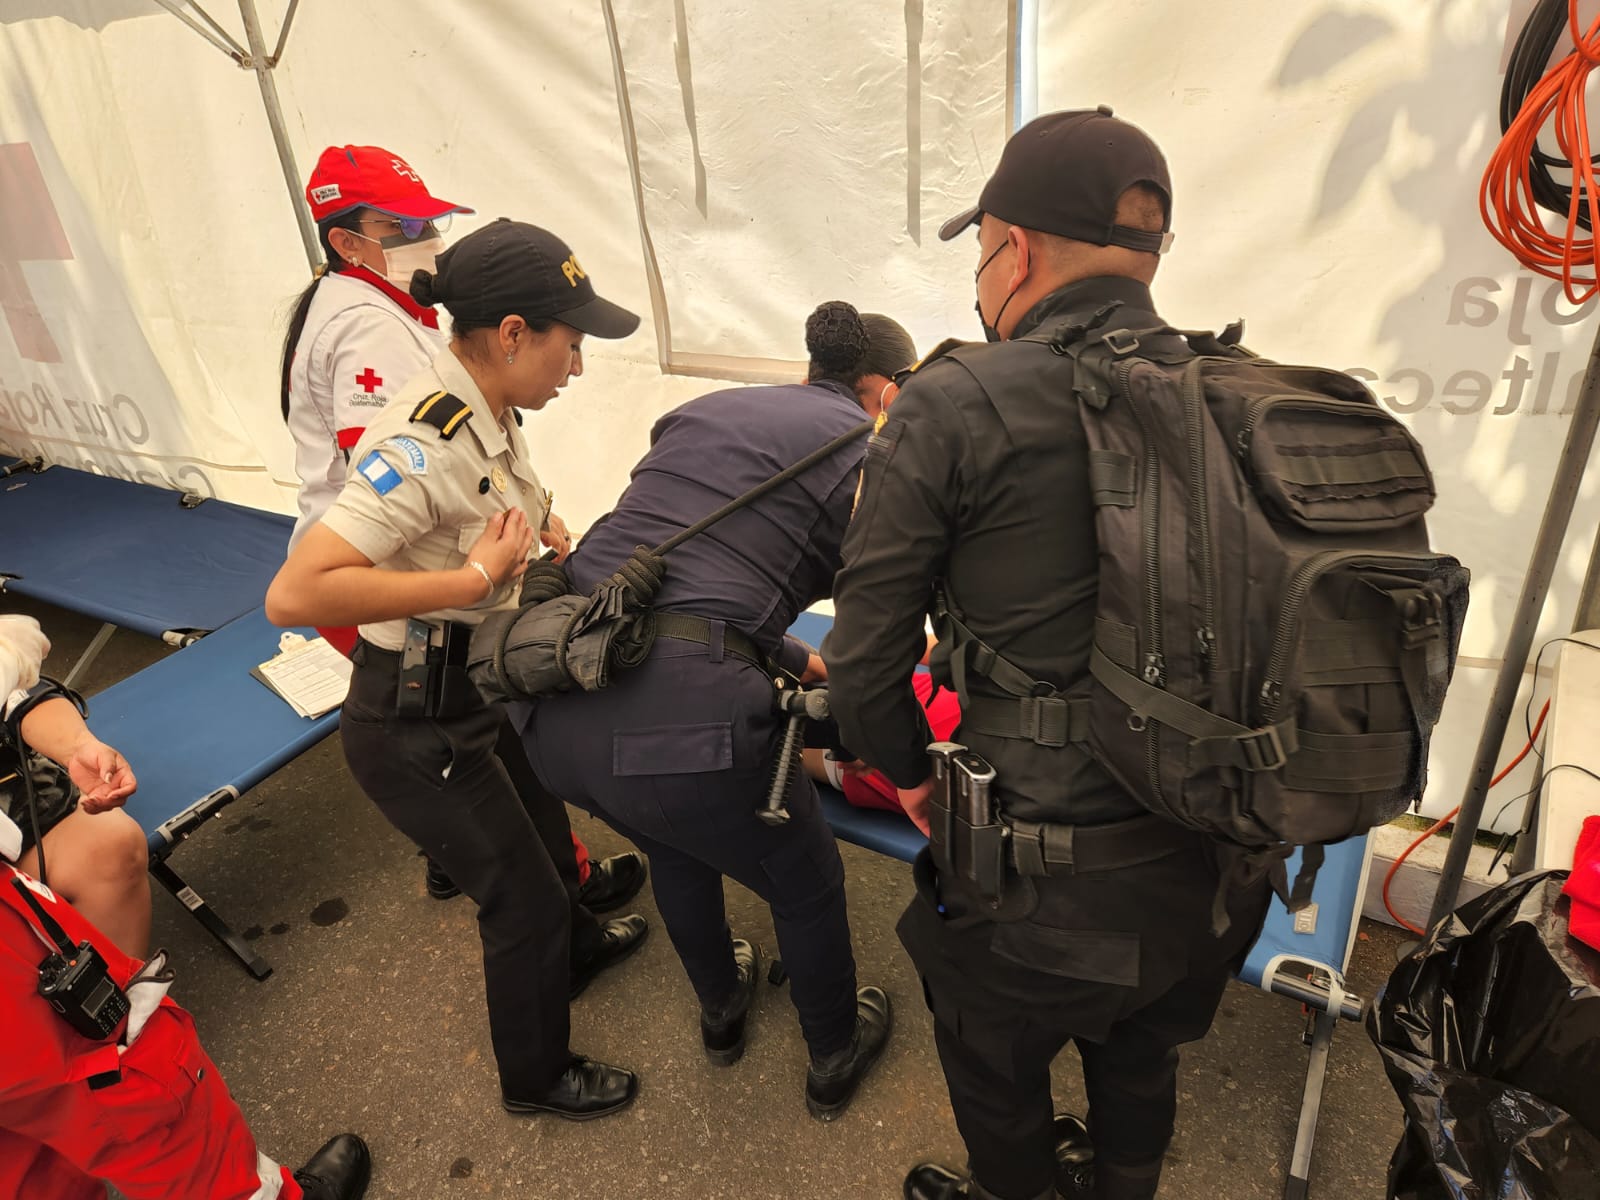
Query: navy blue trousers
{"points": [[675, 756]]}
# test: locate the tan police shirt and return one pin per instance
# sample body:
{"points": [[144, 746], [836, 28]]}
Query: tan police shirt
{"points": [[416, 500]]}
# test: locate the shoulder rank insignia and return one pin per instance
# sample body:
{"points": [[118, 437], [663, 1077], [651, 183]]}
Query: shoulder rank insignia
{"points": [[444, 412]]}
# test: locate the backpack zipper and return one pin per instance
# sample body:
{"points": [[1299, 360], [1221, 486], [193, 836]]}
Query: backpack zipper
{"points": [[1294, 597], [1155, 666], [1257, 409], [1194, 411], [1154, 663]]}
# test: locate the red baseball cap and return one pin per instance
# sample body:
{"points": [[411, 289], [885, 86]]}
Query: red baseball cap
{"points": [[348, 177]]}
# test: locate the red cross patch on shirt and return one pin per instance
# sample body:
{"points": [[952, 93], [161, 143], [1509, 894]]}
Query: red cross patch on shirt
{"points": [[369, 380]]}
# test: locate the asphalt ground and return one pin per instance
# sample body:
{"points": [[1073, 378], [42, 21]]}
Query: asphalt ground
{"points": [[373, 1020]]}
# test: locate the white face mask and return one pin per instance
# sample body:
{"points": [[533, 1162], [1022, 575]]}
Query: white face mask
{"points": [[401, 262]]}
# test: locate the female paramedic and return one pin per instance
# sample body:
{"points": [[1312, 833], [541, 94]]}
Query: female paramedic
{"points": [[431, 534], [677, 752], [355, 338]]}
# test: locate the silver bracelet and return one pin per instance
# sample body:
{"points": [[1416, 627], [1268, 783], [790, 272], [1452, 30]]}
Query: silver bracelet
{"points": [[487, 578]]}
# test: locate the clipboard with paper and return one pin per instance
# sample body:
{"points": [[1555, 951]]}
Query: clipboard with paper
{"points": [[309, 675]]}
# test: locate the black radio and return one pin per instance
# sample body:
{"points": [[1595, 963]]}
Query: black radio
{"points": [[75, 980], [81, 989]]}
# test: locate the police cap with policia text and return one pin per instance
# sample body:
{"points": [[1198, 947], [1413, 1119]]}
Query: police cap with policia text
{"points": [[1063, 173], [509, 268]]}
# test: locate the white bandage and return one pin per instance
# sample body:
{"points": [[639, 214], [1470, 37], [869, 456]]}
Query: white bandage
{"points": [[23, 647], [830, 768]]}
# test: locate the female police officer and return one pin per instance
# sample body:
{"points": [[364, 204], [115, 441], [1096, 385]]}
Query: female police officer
{"points": [[355, 337], [436, 525], [677, 752]]}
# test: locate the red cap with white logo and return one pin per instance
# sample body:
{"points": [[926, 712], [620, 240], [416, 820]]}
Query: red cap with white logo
{"points": [[348, 177]]}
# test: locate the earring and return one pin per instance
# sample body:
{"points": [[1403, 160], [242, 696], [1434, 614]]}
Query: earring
{"points": [[511, 358]]}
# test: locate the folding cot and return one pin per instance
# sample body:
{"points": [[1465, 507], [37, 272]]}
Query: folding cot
{"points": [[197, 728], [1300, 956], [200, 732], [167, 564]]}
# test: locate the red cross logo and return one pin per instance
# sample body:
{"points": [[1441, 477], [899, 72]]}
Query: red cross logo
{"points": [[30, 232], [369, 380], [402, 168]]}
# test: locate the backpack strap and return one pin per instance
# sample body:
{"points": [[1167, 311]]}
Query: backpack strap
{"points": [[1037, 713], [1214, 741], [445, 412]]}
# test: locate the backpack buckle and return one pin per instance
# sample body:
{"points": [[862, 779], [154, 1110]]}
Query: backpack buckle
{"points": [[1422, 618], [1045, 720], [1121, 342], [1262, 749]]}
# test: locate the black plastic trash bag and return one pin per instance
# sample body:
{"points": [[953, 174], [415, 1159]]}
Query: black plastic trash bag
{"points": [[1490, 1033]]}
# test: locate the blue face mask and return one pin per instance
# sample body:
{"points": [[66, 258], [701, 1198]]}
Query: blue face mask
{"points": [[990, 332]]}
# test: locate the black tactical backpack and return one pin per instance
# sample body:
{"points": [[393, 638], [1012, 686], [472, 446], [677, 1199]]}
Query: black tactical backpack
{"points": [[1273, 636]]}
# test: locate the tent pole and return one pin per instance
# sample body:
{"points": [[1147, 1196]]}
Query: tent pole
{"points": [[1535, 586], [216, 35], [261, 64]]}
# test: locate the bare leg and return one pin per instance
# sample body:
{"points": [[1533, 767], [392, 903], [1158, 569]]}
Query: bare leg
{"points": [[100, 863]]}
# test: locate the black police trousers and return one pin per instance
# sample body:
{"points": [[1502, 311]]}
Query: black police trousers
{"points": [[442, 783], [1117, 958], [675, 756]]}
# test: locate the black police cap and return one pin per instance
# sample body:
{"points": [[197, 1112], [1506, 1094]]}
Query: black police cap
{"points": [[511, 268], [1062, 173]]}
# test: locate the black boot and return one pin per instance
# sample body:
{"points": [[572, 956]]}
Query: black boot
{"points": [[1074, 1158], [930, 1181], [722, 1030], [612, 882], [618, 939], [339, 1171], [586, 1090], [831, 1082], [440, 885]]}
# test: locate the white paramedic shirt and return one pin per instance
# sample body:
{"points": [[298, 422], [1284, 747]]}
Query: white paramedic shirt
{"points": [[363, 340]]}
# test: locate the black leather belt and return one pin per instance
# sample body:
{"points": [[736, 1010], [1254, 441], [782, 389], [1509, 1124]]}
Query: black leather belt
{"points": [[711, 634], [1036, 848]]}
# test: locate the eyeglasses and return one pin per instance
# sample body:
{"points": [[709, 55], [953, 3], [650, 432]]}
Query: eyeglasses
{"points": [[411, 228]]}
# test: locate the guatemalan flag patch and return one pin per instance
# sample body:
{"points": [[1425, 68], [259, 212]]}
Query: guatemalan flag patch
{"points": [[383, 478]]}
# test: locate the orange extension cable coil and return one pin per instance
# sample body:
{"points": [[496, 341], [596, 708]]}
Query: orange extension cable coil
{"points": [[1506, 196]]}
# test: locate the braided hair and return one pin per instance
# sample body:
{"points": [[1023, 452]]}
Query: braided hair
{"points": [[302, 306], [845, 346]]}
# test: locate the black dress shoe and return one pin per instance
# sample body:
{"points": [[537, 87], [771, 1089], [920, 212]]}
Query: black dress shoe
{"points": [[930, 1181], [612, 882], [618, 939], [722, 1030], [1074, 1158], [440, 885], [339, 1171], [831, 1082], [586, 1090]]}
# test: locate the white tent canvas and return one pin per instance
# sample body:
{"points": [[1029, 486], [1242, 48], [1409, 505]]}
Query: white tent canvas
{"points": [[722, 168]]}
